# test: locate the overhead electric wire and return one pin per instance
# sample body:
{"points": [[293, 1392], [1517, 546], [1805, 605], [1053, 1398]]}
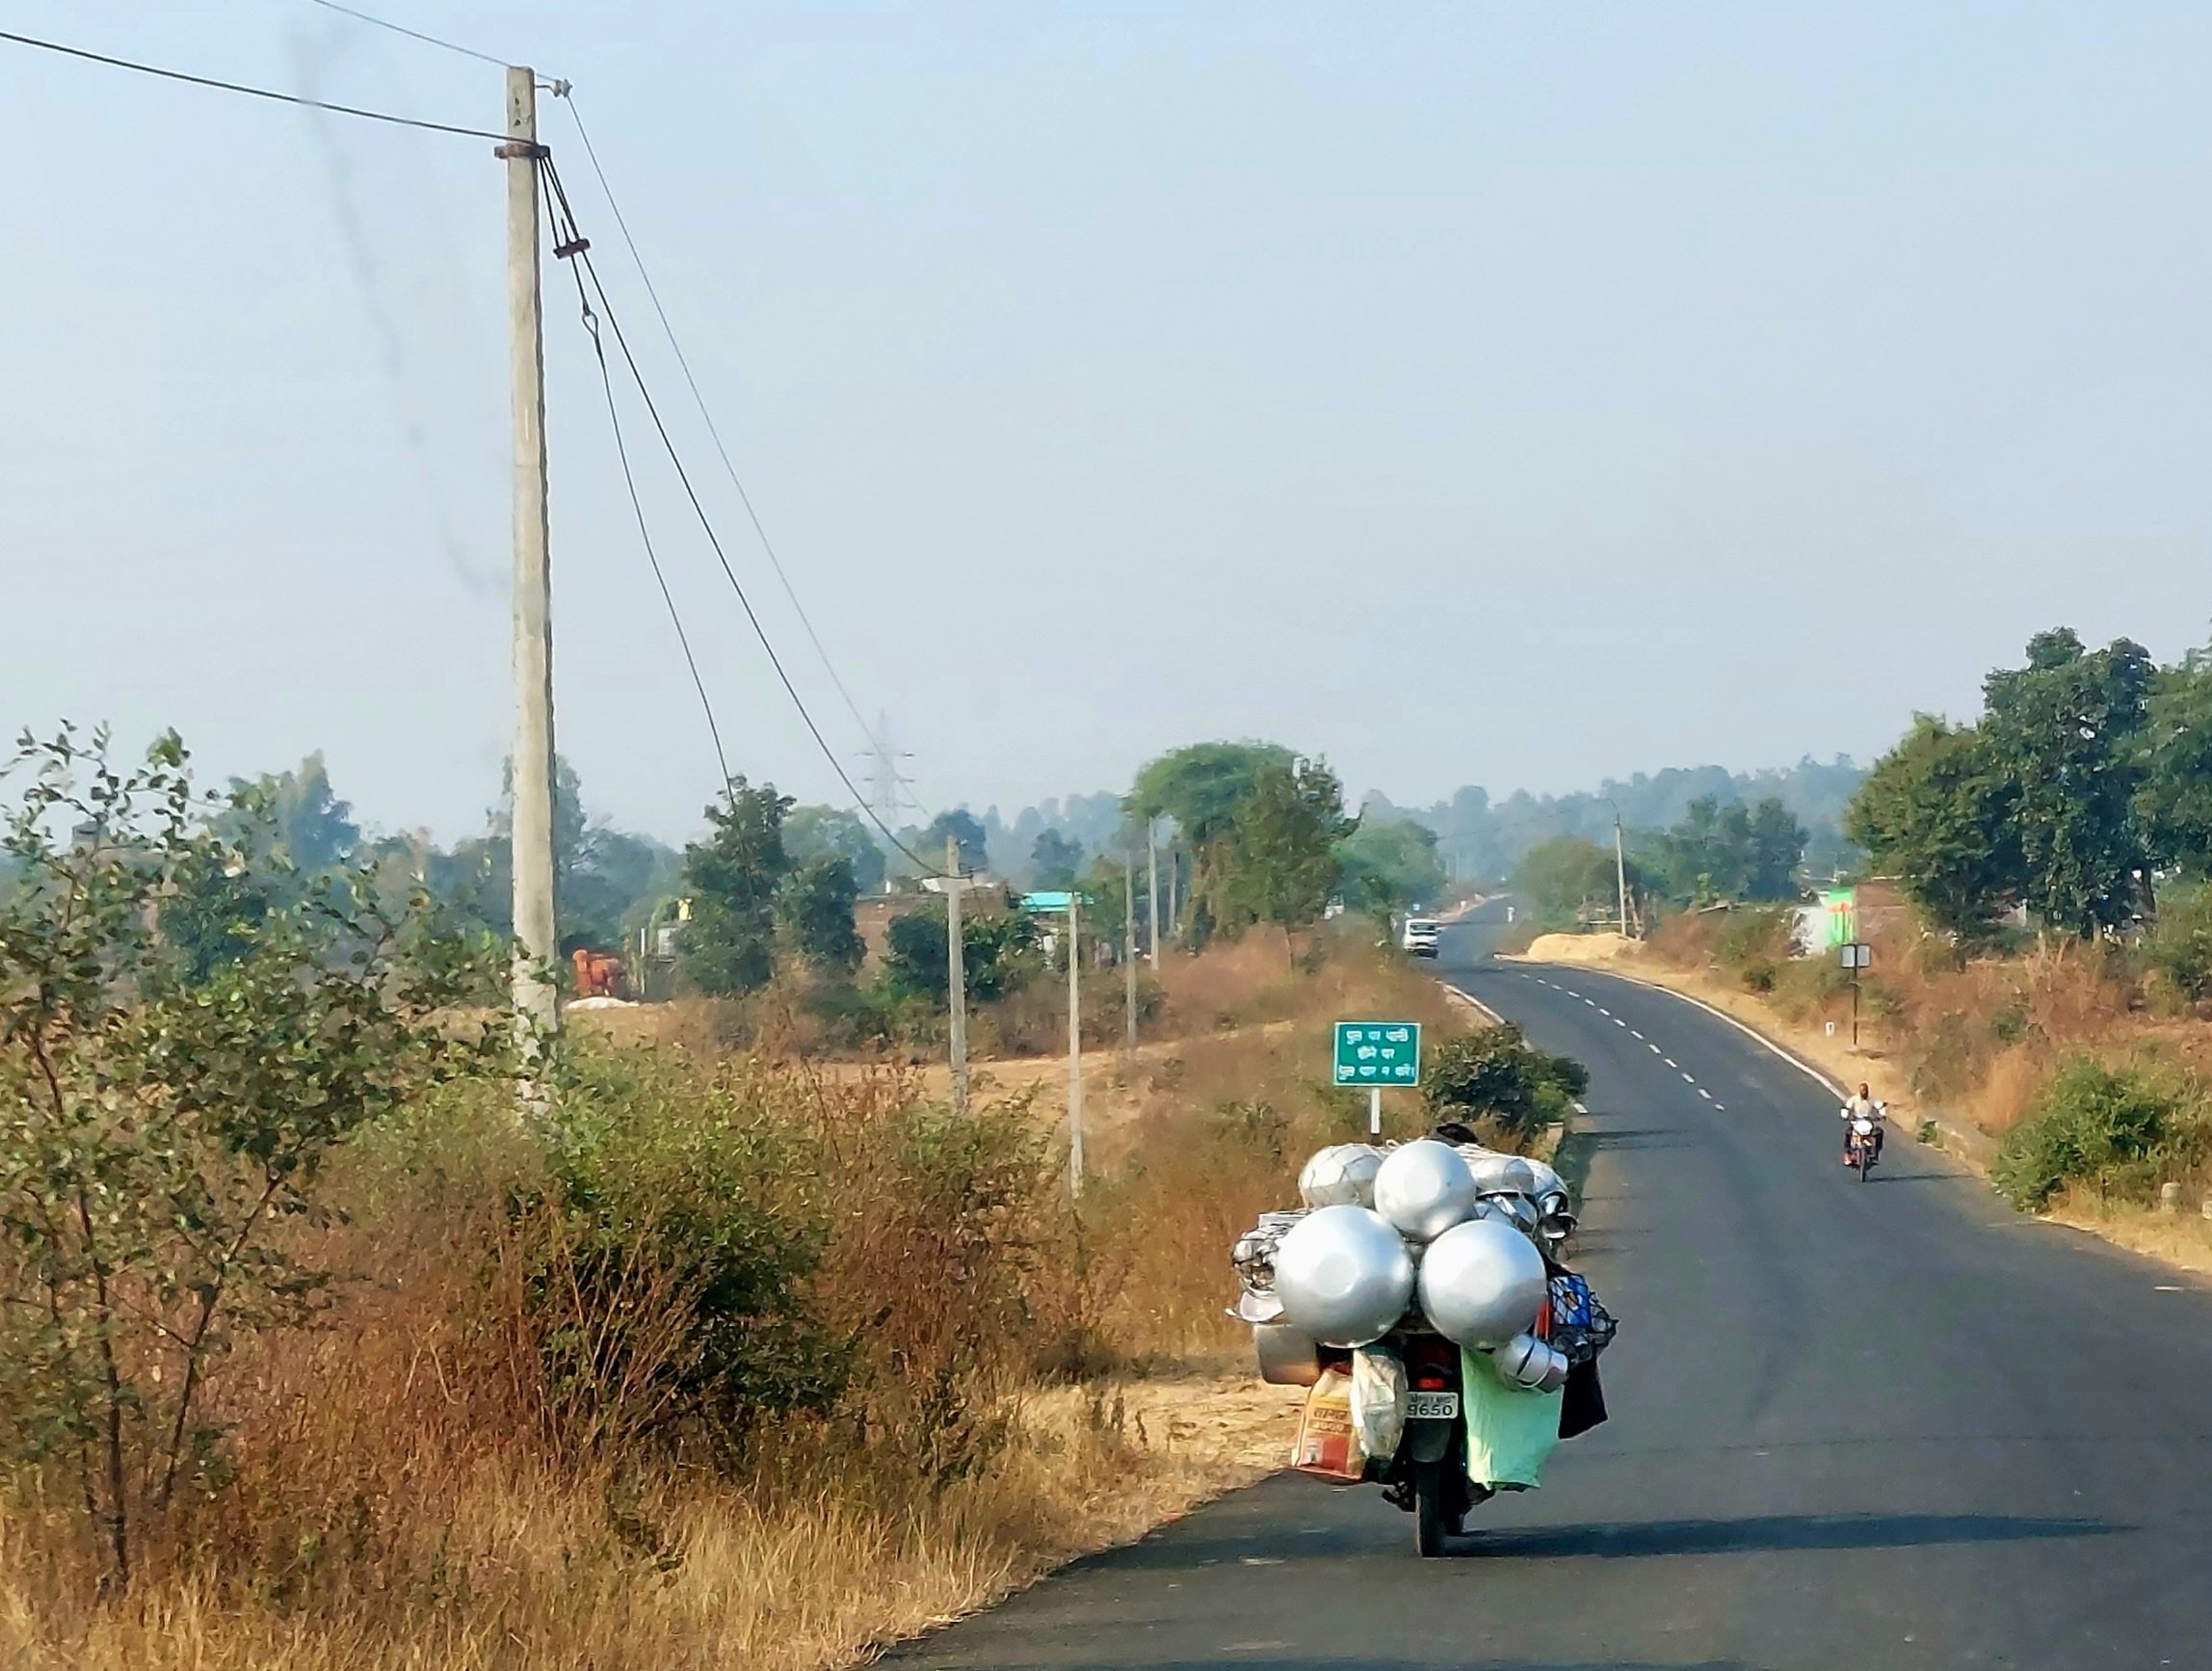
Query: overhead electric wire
{"points": [[410, 34], [699, 399], [575, 248], [646, 536], [240, 87]]}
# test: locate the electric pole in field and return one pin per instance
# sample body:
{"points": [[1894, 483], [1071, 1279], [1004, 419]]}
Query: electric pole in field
{"points": [[1152, 889], [536, 1001], [952, 884], [1074, 1044], [1129, 944]]}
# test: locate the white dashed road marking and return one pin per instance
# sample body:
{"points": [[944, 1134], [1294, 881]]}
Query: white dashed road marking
{"points": [[1702, 1092], [1687, 1080]]}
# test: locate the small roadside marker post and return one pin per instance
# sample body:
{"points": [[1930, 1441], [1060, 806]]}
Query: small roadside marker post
{"points": [[1374, 1054]]}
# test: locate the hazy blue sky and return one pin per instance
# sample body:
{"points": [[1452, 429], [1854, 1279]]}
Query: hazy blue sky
{"points": [[1508, 394]]}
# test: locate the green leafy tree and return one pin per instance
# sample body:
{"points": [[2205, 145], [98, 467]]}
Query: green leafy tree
{"points": [[832, 833], [1729, 851], [1203, 787], [1278, 862], [733, 878], [817, 903], [2175, 804], [1566, 879], [997, 949], [313, 830], [1386, 864], [163, 1114], [2067, 734], [1940, 814], [1054, 860], [963, 827]]}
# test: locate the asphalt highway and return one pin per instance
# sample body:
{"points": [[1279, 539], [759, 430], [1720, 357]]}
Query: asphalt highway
{"points": [[1855, 1426]]}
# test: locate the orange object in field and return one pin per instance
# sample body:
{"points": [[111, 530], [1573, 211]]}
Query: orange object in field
{"points": [[597, 974]]}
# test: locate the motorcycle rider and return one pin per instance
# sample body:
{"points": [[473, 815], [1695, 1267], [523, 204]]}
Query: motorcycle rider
{"points": [[1862, 1106]]}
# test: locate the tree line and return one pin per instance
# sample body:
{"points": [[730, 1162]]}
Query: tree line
{"points": [[2082, 788]]}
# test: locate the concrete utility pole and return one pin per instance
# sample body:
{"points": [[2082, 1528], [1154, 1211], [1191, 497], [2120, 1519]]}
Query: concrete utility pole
{"points": [[1619, 863], [1129, 944], [1074, 1045], [1152, 889], [956, 972], [536, 1001]]}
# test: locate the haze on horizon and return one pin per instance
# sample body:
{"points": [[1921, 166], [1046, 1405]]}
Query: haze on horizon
{"points": [[1470, 394]]}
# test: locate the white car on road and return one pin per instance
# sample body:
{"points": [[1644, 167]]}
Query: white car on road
{"points": [[1420, 936]]}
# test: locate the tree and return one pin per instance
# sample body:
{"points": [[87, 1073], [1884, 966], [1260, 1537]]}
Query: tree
{"points": [[832, 833], [733, 878], [2175, 804], [1388, 865], [1054, 860], [1563, 879], [1730, 852], [1938, 814], [1202, 787], [960, 826], [818, 902], [1777, 844], [996, 951], [313, 829], [163, 1116], [1276, 862], [2066, 733]]}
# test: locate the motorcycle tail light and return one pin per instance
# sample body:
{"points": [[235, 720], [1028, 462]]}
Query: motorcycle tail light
{"points": [[1431, 1382]]}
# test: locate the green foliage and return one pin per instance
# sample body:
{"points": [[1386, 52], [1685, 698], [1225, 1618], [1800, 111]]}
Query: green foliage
{"points": [[1054, 860], [1277, 861], [1731, 851], [1495, 1074], [733, 878], [817, 904], [167, 1101], [2179, 944], [1567, 881], [961, 826], [668, 1204], [1388, 865], [1202, 787], [2066, 733], [998, 950], [1937, 813], [831, 833], [2120, 1130]]}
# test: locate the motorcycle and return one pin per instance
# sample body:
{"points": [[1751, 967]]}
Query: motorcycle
{"points": [[1862, 1143]]}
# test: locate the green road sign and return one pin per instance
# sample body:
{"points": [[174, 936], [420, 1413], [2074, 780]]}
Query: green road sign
{"points": [[1378, 1053]]}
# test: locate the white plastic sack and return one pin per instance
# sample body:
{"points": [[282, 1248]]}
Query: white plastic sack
{"points": [[1377, 1402]]}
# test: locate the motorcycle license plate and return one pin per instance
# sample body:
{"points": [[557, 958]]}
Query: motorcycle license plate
{"points": [[1431, 1406]]}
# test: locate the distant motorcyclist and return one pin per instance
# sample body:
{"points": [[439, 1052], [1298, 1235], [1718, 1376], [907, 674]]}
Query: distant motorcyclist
{"points": [[1862, 1106]]}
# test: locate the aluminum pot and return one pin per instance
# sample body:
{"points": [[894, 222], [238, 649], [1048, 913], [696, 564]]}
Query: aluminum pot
{"points": [[1482, 1283], [1287, 1356], [1344, 1276], [1424, 1188], [1527, 1361], [1342, 1174]]}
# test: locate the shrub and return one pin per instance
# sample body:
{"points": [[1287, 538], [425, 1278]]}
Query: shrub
{"points": [[2179, 944], [2119, 1128], [1496, 1074]]}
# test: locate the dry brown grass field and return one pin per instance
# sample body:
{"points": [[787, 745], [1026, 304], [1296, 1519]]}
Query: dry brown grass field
{"points": [[479, 1456]]}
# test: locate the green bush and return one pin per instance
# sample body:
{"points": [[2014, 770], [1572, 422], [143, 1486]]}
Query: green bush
{"points": [[1496, 1074], [2179, 944], [2121, 1130]]}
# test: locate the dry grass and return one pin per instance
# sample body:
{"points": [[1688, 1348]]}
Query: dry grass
{"points": [[411, 1490]]}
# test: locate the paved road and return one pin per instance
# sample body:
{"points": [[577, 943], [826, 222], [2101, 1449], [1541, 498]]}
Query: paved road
{"points": [[1855, 1426]]}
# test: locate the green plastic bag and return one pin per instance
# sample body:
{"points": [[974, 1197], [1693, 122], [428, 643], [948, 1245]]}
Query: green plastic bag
{"points": [[1510, 1430]]}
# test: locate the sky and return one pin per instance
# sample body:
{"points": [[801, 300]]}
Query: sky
{"points": [[1507, 394]]}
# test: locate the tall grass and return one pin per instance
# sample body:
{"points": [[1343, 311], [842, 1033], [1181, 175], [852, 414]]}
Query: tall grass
{"points": [[730, 1361]]}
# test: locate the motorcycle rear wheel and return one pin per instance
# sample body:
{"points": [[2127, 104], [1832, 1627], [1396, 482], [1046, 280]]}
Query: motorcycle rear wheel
{"points": [[1431, 1514]]}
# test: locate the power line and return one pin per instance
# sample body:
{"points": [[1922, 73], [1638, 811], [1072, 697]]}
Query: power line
{"points": [[410, 34], [240, 87], [576, 248], [644, 533], [699, 399]]}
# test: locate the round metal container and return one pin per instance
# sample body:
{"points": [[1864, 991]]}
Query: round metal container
{"points": [[1424, 1188], [1344, 1276], [1482, 1283], [1342, 1174]]}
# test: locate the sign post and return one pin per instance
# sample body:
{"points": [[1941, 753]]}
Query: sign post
{"points": [[1374, 1054], [1856, 955]]}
